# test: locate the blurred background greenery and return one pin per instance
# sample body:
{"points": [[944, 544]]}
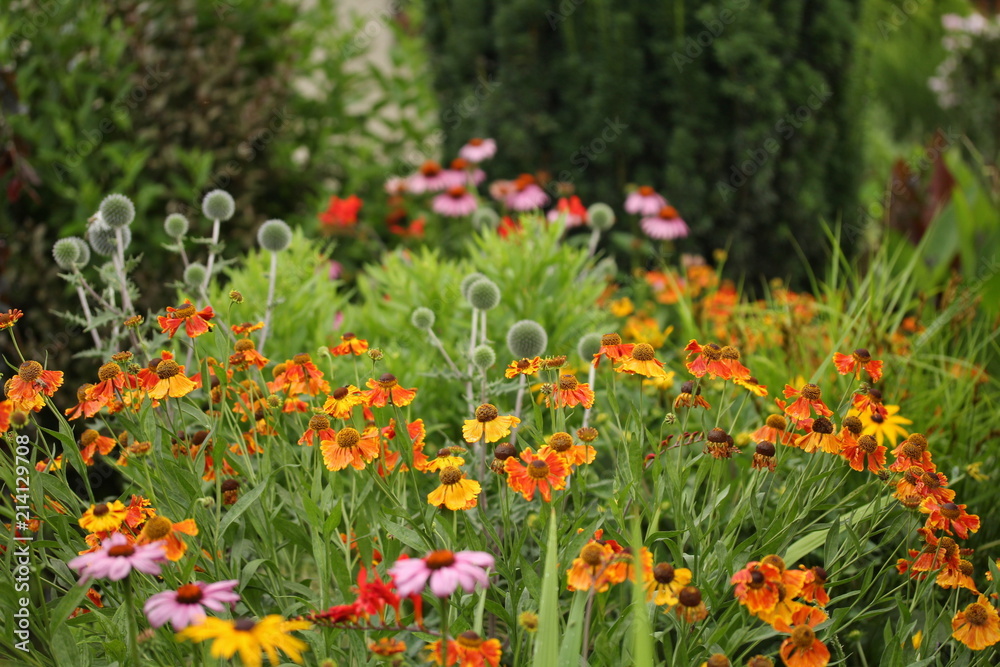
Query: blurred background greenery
{"points": [[759, 121]]}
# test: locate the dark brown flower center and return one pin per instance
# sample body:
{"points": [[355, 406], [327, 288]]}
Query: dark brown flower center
{"points": [[486, 412], [765, 448], [803, 636], [592, 554], [301, 359], [108, 371], [919, 440], [189, 594], [910, 450], [853, 424], [862, 355], [777, 422], [450, 475], [88, 437], [811, 392], [121, 550], [29, 371], [611, 339], [470, 639], [822, 425], [167, 369], [717, 435], [950, 511], [712, 352], [244, 344], [538, 469], [430, 168], [348, 437], [560, 441], [184, 312], [567, 383], [663, 573], [102, 509], [730, 352], [976, 614], [387, 380], [440, 559], [642, 352], [340, 392], [319, 422], [244, 625], [504, 451], [157, 528], [689, 596], [587, 434]]}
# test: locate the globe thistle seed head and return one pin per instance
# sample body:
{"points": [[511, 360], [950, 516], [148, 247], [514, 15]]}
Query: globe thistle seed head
{"points": [[485, 218], [274, 235], [484, 294], [422, 318], [176, 225], [467, 283], [218, 205], [601, 216], [588, 346], [194, 274], [117, 211], [483, 357], [526, 339], [66, 252]]}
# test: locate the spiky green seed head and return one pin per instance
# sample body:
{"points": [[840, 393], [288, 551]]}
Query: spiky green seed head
{"points": [[467, 283], [588, 346], [483, 357], [66, 252], [102, 238], [194, 274], [176, 225], [422, 318], [526, 339], [218, 205], [601, 216], [274, 235], [84, 258], [485, 217], [117, 211], [484, 294]]}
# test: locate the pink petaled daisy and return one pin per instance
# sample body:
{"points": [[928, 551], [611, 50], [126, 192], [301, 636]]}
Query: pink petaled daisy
{"points": [[183, 607], [644, 201], [572, 208], [445, 570], [527, 195], [477, 150], [116, 558], [455, 203], [429, 178], [395, 185], [665, 225], [463, 173]]}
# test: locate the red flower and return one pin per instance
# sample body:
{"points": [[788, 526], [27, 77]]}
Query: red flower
{"points": [[950, 518], [508, 227], [809, 396], [195, 322], [341, 212], [854, 363]]}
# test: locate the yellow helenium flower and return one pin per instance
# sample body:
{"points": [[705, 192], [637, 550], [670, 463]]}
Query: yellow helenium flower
{"points": [[103, 517], [455, 492], [488, 423], [885, 428], [249, 638]]}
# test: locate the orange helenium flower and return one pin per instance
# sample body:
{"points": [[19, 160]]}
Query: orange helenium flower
{"points": [[864, 447], [387, 388], [802, 649], [854, 363], [161, 528], [25, 389], [978, 625], [350, 448], [195, 322], [542, 473], [613, 348], [810, 396], [92, 442], [643, 362], [342, 402], [523, 367], [488, 424], [350, 344], [569, 393]]}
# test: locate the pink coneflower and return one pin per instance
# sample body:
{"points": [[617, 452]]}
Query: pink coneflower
{"points": [[500, 190], [445, 570], [429, 178], [478, 150], [454, 203], [395, 185], [463, 173], [527, 195], [116, 557], [644, 201], [665, 225], [573, 210], [183, 607]]}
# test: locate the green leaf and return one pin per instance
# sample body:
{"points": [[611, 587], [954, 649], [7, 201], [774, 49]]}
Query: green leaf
{"points": [[547, 641]]}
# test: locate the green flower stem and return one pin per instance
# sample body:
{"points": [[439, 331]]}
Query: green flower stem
{"points": [[272, 279], [132, 628]]}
